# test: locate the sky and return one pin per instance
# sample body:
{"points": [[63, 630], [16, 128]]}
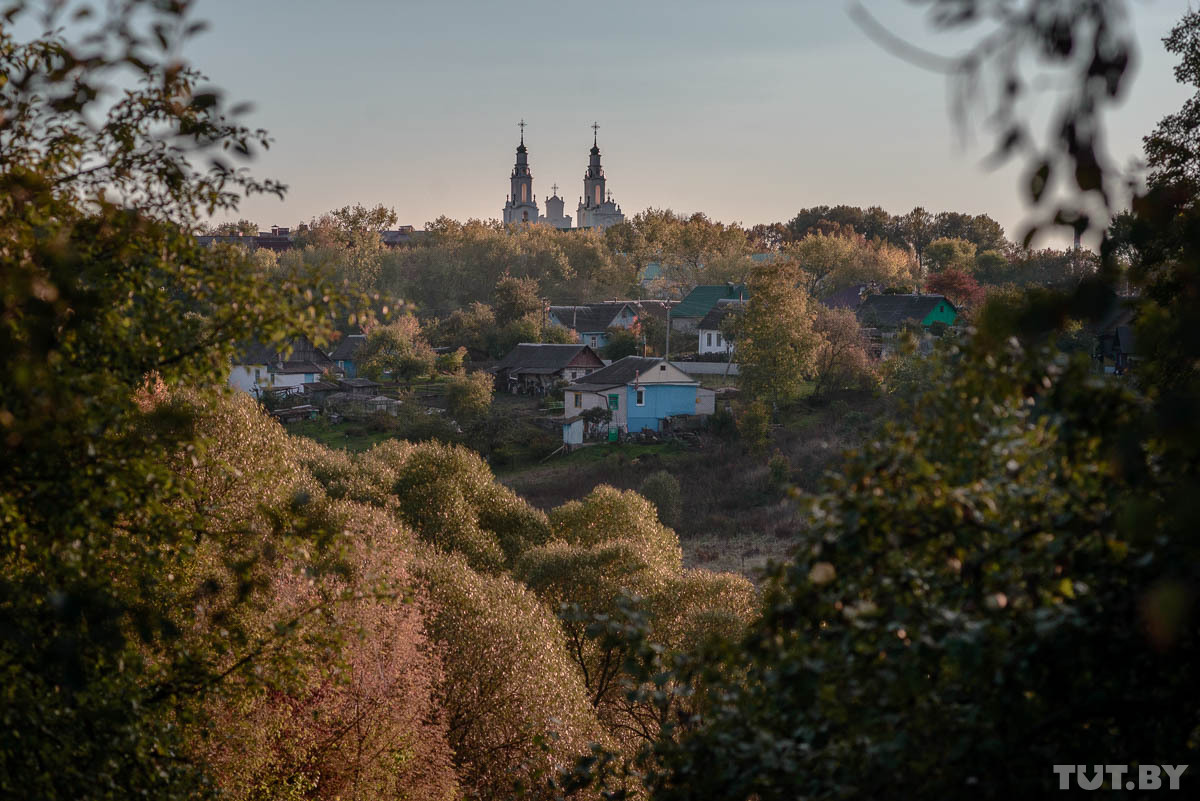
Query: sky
{"points": [[747, 111]]}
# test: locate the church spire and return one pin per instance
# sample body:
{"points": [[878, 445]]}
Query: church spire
{"points": [[522, 205]]}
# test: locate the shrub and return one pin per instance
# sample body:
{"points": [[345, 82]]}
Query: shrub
{"points": [[516, 704], [662, 489], [779, 470], [754, 425]]}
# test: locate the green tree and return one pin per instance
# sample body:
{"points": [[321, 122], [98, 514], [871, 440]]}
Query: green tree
{"points": [[469, 397], [622, 342], [105, 293], [949, 254], [397, 350], [775, 338], [516, 298]]}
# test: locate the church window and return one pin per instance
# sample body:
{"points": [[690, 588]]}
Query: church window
{"points": [[524, 193], [597, 195]]}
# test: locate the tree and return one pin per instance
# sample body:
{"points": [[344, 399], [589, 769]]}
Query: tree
{"points": [[348, 239], [240, 228], [917, 229], [622, 342], [397, 350], [516, 298], [962, 289], [775, 338], [949, 254], [105, 296], [468, 397], [1173, 149], [836, 261], [841, 359]]}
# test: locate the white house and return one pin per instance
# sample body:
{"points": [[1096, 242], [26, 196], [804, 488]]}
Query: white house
{"points": [[260, 367], [712, 339]]}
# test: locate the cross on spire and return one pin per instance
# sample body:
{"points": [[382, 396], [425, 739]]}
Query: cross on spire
{"points": [[521, 125], [554, 189], [595, 131]]}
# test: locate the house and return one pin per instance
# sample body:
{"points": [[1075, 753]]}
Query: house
{"points": [[712, 339], [689, 312], [850, 297], [893, 312], [345, 354], [1115, 348], [641, 393], [537, 366], [258, 366], [591, 321]]}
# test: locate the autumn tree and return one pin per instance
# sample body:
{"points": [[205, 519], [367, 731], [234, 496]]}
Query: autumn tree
{"points": [[841, 358], [961, 288]]}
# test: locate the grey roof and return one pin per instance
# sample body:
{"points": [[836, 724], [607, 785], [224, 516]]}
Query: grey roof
{"points": [[622, 371], [357, 382], [588, 317], [724, 307], [319, 386], [348, 347], [850, 297], [295, 357], [891, 311], [529, 356]]}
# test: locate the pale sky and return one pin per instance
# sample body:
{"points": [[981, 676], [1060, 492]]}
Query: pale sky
{"points": [[747, 111]]}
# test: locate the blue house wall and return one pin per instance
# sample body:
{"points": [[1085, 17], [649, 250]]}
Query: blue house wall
{"points": [[661, 400], [349, 368]]}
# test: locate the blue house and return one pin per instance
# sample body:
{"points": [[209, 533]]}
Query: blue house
{"points": [[345, 354], [642, 394]]}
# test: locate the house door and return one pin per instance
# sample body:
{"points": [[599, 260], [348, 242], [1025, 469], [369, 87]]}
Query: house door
{"points": [[613, 402]]}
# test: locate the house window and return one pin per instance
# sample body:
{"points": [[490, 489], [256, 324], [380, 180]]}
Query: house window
{"points": [[257, 375], [662, 367], [641, 397], [592, 340], [708, 339], [578, 399]]}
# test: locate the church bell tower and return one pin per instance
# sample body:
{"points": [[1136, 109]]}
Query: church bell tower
{"points": [[521, 205]]}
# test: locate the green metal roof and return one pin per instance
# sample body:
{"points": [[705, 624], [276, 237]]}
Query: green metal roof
{"points": [[702, 299]]}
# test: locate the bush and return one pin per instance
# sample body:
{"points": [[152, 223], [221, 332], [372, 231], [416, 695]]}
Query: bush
{"points": [[754, 425], [662, 489], [779, 470], [516, 702]]}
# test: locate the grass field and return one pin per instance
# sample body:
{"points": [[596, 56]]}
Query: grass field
{"points": [[345, 436]]}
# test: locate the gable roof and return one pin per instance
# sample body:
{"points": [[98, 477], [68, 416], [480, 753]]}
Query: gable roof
{"points": [[850, 297], [347, 347], [701, 300], [588, 316], [297, 356], [544, 357], [622, 371], [892, 311], [725, 307]]}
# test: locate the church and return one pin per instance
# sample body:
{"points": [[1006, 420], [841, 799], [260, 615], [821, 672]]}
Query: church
{"points": [[596, 207]]}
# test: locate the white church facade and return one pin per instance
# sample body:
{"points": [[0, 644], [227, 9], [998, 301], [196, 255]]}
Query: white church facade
{"points": [[596, 207]]}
